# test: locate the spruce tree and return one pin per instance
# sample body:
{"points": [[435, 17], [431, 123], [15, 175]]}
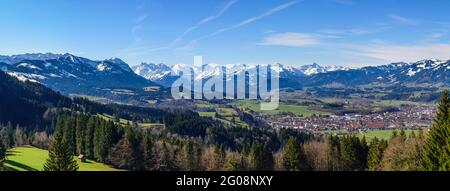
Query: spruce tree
{"points": [[261, 158], [60, 156], [2, 151], [435, 156], [294, 158], [234, 164], [149, 158], [98, 141], [8, 135], [165, 162], [80, 135], [189, 156], [69, 134], [89, 138], [375, 154], [334, 162]]}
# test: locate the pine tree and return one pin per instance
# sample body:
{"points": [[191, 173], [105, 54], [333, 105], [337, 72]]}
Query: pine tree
{"points": [[69, 134], [89, 138], [98, 141], [375, 154], [294, 158], [435, 156], [60, 156], [334, 162], [165, 162], [149, 158], [80, 135], [244, 158], [219, 157], [8, 135], [234, 164], [189, 156], [2, 151], [261, 158]]}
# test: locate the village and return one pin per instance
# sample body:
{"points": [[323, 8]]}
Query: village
{"points": [[407, 118]]}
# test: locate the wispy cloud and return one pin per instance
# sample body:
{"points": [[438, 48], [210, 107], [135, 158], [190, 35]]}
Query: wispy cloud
{"points": [[394, 53], [402, 20], [141, 18], [290, 39], [435, 36], [351, 32], [256, 18], [179, 38], [248, 20], [344, 2], [207, 20]]}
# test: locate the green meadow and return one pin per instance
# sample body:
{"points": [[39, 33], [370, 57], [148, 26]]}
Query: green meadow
{"points": [[30, 158]]}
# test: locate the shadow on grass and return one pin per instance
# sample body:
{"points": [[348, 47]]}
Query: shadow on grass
{"points": [[14, 164], [11, 153]]}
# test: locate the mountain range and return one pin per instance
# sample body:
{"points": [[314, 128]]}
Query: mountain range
{"points": [[163, 74], [71, 74], [425, 71]]}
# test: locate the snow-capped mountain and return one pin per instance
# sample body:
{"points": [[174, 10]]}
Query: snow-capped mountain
{"points": [[431, 71], [72, 74], [152, 71], [316, 69], [161, 73]]}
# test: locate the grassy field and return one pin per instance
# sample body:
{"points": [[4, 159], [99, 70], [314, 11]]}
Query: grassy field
{"points": [[29, 158], [383, 134], [295, 109], [207, 114], [395, 102], [107, 117], [369, 135]]}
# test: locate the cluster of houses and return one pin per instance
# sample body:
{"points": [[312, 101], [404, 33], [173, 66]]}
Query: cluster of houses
{"points": [[408, 117]]}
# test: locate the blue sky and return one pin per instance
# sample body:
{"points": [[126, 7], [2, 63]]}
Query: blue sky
{"points": [[291, 32]]}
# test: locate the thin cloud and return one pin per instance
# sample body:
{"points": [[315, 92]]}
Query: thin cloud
{"points": [[256, 18], [402, 20], [290, 39], [249, 20], [408, 53], [141, 18], [135, 28], [344, 2], [194, 27], [207, 20]]}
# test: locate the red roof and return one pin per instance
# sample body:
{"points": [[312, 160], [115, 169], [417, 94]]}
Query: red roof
{"points": [[376, 124]]}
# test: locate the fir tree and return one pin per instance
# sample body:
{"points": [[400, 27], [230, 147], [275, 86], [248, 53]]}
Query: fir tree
{"points": [[2, 151], [294, 158], [149, 158], [437, 142], [8, 135], [69, 134], [89, 138], [165, 162], [189, 157], [2, 154], [334, 162], [60, 156], [234, 164], [261, 158], [219, 157], [80, 135], [375, 154]]}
